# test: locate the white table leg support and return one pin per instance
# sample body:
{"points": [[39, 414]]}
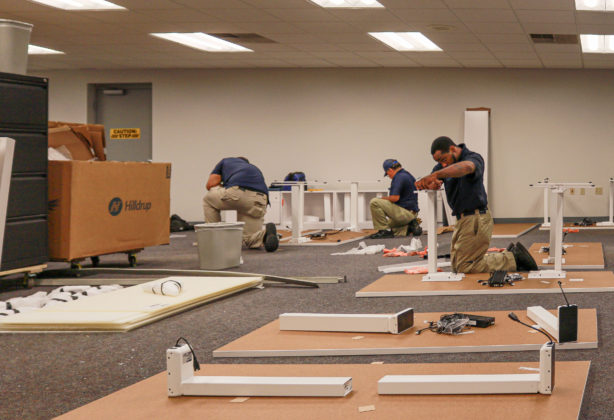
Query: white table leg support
{"points": [[431, 226], [181, 381], [610, 221]]}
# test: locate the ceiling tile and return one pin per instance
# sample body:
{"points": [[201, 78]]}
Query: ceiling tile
{"points": [[427, 15], [486, 15], [495, 28], [477, 4], [545, 16], [543, 4]]}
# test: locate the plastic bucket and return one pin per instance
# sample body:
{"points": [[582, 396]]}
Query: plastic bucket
{"points": [[219, 244], [14, 41]]}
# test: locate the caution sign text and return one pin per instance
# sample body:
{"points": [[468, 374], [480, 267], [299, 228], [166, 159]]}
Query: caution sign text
{"points": [[125, 133]]}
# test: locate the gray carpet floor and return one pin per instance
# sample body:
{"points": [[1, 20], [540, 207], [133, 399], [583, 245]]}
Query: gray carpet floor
{"points": [[45, 375]]}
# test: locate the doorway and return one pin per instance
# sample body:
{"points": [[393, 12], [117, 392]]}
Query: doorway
{"points": [[125, 112]]}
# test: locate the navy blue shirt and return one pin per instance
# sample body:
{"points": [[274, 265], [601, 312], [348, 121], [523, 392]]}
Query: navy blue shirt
{"points": [[466, 193], [236, 172], [403, 185]]}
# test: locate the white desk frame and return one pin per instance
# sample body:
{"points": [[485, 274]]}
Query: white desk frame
{"points": [[431, 227], [610, 221], [556, 229], [354, 198]]}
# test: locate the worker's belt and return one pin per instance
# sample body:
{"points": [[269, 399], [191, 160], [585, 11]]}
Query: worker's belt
{"points": [[251, 189], [482, 210]]}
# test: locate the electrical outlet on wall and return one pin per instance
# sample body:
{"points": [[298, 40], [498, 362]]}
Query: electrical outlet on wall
{"points": [[598, 191], [572, 191], [582, 191]]}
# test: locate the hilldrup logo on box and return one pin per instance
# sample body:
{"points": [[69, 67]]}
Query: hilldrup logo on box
{"points": [[116, 205]]}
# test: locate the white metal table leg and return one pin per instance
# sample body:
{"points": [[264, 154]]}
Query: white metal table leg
{"points": [[431, 226], [354, 207], [298, 209]]}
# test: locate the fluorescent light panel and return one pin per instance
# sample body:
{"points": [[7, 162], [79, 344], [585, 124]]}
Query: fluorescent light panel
{"points": [[595, 5], [406, 41], [80, 4], [352, 4], [201, 41], [35, 49], [599, 44]]}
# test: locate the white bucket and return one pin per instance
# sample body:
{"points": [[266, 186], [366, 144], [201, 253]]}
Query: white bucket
{"points": [[14, 42], [219, 245]]}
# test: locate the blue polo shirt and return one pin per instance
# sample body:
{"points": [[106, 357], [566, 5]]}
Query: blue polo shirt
{"points": [[403, 185], [236, 172], [466, 193]]}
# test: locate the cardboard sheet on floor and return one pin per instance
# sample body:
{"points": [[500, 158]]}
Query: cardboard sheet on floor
{"points": [[505, 335], [125, 309], [412, 285], [501, 230], [578, 256], [331, 239], [572, 226], [147, 399]]}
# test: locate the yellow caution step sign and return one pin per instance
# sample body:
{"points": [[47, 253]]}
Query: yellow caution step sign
{"points": [[125, 133]]}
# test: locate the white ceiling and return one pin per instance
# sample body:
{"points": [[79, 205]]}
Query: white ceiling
{"points": [[485, 33]]}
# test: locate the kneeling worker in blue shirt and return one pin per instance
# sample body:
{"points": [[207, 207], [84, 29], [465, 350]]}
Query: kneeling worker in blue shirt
{"points": [[236, 184], [462, 172], [395, 215]]}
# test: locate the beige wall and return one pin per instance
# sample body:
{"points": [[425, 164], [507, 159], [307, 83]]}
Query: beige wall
{"points": [[342, 123]]}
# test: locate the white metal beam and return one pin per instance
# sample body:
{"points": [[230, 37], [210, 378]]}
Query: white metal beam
{"points": [[181, 381], [542, 383], [375, 323], [544, 319]]}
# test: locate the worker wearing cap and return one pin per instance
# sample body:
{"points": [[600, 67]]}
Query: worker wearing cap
{"points": [[462, 172], [395, 215], [236, 184]]}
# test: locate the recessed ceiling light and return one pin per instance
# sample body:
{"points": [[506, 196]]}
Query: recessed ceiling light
{"points": [[352, 4], [595, 5], [406, 41], [80, 4], [35, 49], [202, 41], [599, 44]]}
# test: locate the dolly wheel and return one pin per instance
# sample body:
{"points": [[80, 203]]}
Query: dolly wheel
{"points": [[132, 260], [74, 265], [28, 280], [95, 261]]}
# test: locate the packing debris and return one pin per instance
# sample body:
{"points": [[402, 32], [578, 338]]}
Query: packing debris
{"points": [[55, 297], [400, 251]]}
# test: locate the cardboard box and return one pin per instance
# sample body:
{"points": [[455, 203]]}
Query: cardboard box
{"points": [[79, 147], [98, 208], [92, 135]]}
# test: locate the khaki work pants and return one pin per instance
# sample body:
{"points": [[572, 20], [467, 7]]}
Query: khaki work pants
{"points": [[250, 207], [387, 215], [470, 240]]}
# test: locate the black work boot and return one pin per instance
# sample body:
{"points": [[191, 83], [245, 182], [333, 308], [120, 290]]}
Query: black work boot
{"points": [[381, 234], [524, 260], [414, 228], [271, 241]]}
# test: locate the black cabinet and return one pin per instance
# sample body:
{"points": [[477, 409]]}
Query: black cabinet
{"points": [[23, 117]]}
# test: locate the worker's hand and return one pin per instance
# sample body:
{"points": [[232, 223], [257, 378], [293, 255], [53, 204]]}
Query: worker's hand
{"points": [[429, 182]]}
